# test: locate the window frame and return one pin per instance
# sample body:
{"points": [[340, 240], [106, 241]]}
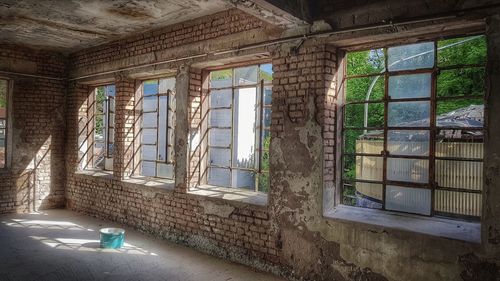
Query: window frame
{"points": [[91, 113], [432, 128], [8, 123], [170, 128], [260, 85]]}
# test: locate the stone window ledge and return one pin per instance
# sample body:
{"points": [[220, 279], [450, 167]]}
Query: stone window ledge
{"points": [[432, 226], [96, 173], [155, 183], [231, 194]]}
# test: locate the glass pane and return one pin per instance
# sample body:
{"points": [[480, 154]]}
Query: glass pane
{"points": [[407, 142], [149, 120], [148, 136], [460, 147], [165, 170], [221, 78], [460, 113], [162, 129], [410, 57], [220, 98], [111, 90], [458, 203], [112, 105], [268, 92], [150, 103], [364, 115], [111, 119], [408, 199], [220, 156], [148, 152], [148, 169], [459, 51], [408, 170], [461, 82], [266, 72], [459, 174], [368, 195], [245, 105], [167, 84], [150, 87], [359, 141], [267, 117], [409, 114], [3, 121], [365, 89], [410, 86], [219, 177], [245, 75], [365, 62], [363, 167], [219, 137], [220, 118], [243, 179]]}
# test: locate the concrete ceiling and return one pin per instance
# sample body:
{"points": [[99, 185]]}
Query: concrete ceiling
{"points": [[70, 25]]}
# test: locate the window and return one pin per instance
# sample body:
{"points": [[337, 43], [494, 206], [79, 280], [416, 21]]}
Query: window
{"points": [[4, 85], [239, 119], [413, 128], [103, 111], [157, 128]]}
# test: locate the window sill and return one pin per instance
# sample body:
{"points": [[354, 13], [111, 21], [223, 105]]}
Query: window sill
{"points": [[432, 226], [231, 194], [151, 182], [96, 173]]}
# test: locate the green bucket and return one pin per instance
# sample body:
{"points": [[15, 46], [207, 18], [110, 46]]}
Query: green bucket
{"points": [[112, 238]]}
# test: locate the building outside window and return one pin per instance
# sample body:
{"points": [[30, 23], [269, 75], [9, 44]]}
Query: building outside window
{"points": [[239, 119], [157, 128], [4, 87], [413, 128]]}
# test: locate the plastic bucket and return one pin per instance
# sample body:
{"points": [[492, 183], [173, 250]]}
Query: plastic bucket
{"points": [[112, 238]]}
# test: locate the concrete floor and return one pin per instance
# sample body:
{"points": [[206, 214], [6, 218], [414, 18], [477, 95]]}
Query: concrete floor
{"points": [[63, 245]]}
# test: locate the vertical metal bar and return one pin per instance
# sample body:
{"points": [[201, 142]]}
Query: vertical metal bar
{"points": [[167, 130], [261, 111], [433, 132], [386, 109], [157, 125], [232, 128]]}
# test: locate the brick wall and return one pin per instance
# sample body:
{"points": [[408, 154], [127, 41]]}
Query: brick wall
{"points": [[212, 225], [35, 178], [209, 27]]}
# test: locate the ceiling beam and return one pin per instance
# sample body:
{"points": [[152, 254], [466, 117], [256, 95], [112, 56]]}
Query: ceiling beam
{"points": [[283, 13]]}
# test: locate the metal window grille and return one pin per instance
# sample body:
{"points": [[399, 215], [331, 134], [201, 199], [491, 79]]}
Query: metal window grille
{"points": [[238, 94], [4, 88], [417, 149], [157, 128]]}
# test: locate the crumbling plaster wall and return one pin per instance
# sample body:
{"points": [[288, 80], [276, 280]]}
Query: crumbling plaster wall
{"points": [[294, 236], [35, 177]]}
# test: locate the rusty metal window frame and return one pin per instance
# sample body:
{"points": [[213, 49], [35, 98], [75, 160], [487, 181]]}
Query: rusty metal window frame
{"points": [[4, 123], [432, 129], [170, 106], [260, 127], [108, 109]]}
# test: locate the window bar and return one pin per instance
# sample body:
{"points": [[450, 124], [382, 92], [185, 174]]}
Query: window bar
{"points": [[167, 129], [385, 151], [261, 112], [432, 133], [232, 129]]}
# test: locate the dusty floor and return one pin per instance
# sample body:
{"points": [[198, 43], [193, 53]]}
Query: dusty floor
{"points": [[63, 245]]}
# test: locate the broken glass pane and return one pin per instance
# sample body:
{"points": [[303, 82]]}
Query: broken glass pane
{"points": [[460, 113], [266, 72], [461, 82], [364, 115], [150, 87], [365, 89], [460, 51], [245, 75], [245, 105], [365, 62], [221, 78]]}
